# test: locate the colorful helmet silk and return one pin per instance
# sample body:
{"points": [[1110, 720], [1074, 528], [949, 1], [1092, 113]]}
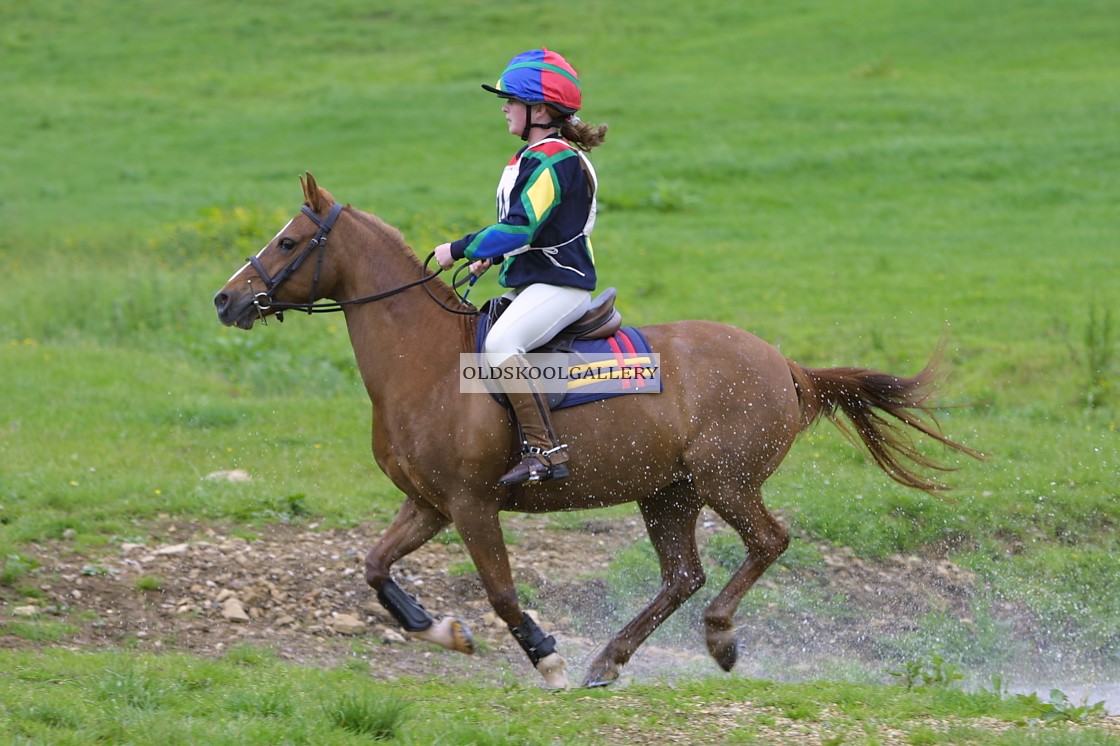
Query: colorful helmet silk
{"points": [[540, 76]]}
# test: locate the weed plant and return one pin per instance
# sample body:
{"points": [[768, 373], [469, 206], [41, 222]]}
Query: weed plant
{"points": [[1100, 354], [379, 721]]}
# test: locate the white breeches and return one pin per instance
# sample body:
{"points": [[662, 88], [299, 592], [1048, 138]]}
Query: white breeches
{"points": [[538, 313]]}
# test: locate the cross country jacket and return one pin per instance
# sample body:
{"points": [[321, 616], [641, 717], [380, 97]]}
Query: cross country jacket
{"points": [[546, 211]]}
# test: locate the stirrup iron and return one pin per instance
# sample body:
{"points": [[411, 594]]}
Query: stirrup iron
{"points": [[536, 466]]}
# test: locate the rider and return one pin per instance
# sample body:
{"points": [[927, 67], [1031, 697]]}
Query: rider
{"points": [[546, 210]]}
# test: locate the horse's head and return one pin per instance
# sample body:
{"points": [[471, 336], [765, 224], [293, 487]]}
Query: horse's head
{"points": [[289, 271]]}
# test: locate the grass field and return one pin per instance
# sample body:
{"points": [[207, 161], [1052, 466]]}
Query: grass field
{"points": [[852, 182]]}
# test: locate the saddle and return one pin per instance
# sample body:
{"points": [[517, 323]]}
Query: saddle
{"points": [[602, 320], [598, 335]]}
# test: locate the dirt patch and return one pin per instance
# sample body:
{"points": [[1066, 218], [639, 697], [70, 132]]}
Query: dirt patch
{"points": [[300, 592]]}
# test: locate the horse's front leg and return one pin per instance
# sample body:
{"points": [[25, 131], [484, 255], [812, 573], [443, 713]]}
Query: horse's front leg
{"points": [[481, 531], [415, 524]]}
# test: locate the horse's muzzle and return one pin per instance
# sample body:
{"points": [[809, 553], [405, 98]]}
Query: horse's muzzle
{"points": [[235, 310]]}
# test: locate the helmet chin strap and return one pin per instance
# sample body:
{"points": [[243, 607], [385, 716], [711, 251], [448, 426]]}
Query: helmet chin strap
{"points": [[528, 121], [529, 124]]}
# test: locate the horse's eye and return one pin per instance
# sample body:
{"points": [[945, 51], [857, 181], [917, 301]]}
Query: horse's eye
{"points": [[286, 244]]}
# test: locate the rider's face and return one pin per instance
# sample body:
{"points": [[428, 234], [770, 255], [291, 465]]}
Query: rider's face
{"points": [[515, 112]]}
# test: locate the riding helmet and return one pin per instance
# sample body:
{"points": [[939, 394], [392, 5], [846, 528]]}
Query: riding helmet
{"points": [[540, 76]]}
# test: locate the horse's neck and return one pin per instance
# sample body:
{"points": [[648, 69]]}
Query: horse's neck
{"points": [[407, 340]]}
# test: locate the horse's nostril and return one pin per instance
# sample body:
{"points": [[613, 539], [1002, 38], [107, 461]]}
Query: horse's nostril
{"points": [[221, 302]]}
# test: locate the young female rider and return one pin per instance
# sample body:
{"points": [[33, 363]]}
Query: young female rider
{"points": [[546, 210]]}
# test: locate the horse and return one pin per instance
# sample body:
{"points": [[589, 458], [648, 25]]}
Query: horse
{"points": [[731, 408]]}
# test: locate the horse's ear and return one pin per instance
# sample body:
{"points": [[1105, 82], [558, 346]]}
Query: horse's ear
{"points": [[318, 199], [310, 190]]}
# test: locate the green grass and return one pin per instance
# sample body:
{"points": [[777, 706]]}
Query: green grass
{"points": [[851, 181], [56, 696]]}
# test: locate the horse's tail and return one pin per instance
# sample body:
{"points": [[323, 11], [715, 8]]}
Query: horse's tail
{"points": [[864, 396]]}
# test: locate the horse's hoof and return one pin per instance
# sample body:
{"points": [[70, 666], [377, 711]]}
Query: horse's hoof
{"points": [[725, 650], [449, 633], [462, 639], [551, 667], [600, 675]]}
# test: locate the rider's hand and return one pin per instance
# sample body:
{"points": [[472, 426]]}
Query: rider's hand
{"points": [[443, 256], [477, 268]]}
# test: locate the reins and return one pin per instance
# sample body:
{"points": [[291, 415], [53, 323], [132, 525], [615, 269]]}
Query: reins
{"points": [[264, 301], [455, 285]]}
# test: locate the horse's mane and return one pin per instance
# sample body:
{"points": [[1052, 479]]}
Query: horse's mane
{"points": [[392, 234]]}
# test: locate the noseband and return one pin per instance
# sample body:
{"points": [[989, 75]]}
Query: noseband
{"points": [[265, 300]]}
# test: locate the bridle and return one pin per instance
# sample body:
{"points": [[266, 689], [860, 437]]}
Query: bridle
{"points": [[265, 300]]}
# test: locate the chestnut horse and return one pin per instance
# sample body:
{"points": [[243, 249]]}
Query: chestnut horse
{"points": [[731, 407]]}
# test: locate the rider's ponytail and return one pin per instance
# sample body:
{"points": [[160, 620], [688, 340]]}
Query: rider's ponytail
{"points": [[583, 135]]}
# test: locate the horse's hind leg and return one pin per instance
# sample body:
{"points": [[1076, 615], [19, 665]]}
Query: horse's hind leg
{"points": [[414, 525], [670, 517], [765, 540]]}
